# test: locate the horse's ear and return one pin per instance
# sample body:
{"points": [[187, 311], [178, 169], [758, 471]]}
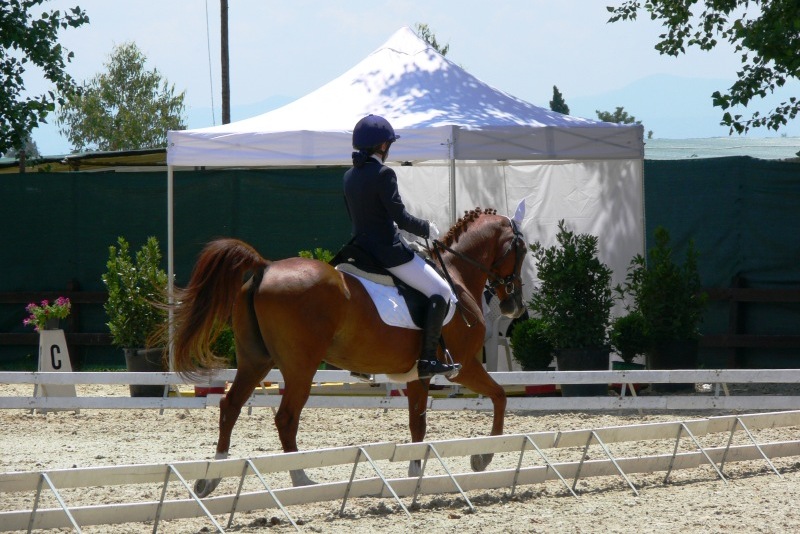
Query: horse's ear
{"points": [[520, 213]]}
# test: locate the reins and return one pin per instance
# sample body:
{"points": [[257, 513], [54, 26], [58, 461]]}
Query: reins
{"points": [[436, 245], [493, 279]]}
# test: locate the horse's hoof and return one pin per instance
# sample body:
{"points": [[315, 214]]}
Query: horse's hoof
{"points": [[204, 487], [480, 462], [299, 478], [414, 468]]}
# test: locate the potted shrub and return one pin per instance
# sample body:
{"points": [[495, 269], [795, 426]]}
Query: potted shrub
{"points": [[574, 299], [669, 296], [530, 345], [136, 307], [628, 339], [532, 349]]}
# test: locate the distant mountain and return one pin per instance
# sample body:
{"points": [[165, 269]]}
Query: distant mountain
{"points": [[675, 107]]}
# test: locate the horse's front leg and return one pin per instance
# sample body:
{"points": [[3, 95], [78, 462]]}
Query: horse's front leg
{"points": [[417, 418], [230, 406], [475, 377]]}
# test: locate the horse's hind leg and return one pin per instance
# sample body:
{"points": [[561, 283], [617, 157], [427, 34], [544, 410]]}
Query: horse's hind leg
{"points": [[246, 381], [248, 376], [287, 420]]}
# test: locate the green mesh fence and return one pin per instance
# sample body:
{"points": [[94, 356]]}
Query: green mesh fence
{"points": [[57, 228], [744, 215]]}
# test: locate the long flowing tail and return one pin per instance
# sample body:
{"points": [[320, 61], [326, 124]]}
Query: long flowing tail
{"points": [[205, 305]]}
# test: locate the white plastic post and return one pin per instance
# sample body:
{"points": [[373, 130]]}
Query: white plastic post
{"points": [[54, 356]]}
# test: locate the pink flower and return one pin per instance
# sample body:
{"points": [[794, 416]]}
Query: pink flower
{"points": [[41, 313]]}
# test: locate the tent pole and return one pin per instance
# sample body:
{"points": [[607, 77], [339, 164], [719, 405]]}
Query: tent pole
{"points": [[451, 146], [170, 260]]}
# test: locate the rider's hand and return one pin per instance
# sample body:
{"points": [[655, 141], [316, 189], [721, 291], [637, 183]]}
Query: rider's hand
{"points": [[433, 231]]}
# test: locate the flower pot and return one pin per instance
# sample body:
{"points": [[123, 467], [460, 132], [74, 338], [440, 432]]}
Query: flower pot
{"points": [[54, 323], [145, 360], [586, 359], [625, 366], [673, 355], [215, 387], [540, 390]]}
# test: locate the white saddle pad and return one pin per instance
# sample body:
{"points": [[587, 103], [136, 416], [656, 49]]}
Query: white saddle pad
{"points": [[392, 306]]}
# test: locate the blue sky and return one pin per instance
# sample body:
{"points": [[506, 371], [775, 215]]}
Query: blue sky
{"points": [[280, 51]]}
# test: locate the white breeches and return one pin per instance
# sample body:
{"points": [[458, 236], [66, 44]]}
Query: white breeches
{"points": [[422, 277]]}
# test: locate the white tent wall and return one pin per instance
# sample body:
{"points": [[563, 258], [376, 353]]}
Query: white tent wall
{"points": [[602, 198]]}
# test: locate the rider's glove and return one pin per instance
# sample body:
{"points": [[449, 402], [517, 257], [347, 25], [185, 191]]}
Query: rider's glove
{"points": [[433, 231]]}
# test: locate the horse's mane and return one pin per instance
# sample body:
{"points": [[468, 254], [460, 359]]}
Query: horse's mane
{"points": [[463, 223]]}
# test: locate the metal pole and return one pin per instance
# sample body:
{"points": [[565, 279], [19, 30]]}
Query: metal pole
{"points": [[226, 79], [170, 261], [451, 148]]}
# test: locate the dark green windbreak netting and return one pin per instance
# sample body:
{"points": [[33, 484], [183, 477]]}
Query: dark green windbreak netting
{"points": [[57, 228], [743, 213], [744, 216]]}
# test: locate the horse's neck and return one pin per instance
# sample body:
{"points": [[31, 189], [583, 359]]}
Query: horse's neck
{"points": [[463, 273]]}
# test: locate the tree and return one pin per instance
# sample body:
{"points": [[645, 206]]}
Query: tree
{"points": [[125, 108], [26, 42], [558, 104], [29, 147], [427, 35], [619, 116], [769, 41]]}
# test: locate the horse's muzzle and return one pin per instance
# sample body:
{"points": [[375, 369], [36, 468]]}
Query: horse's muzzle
{"points": [[512, 306]]}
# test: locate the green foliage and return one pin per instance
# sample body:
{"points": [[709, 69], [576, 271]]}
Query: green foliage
{"points": [[427, 35], [318, 253], [558, 104], [668, 295], [618, 116], [530, 345], [28, 146], [628, 335], [24, 42], [768, 36], [124, 108], [137, 291], [574, 297], [224, 345], [40, 314]]}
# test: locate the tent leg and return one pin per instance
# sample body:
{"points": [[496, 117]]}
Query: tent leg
{"points": [[170, 261]]}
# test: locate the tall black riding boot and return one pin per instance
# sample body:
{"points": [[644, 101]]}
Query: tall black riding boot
{"points": [[428, 364]]}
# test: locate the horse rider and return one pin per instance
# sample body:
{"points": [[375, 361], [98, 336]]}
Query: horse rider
{"points": [[376, 212]]}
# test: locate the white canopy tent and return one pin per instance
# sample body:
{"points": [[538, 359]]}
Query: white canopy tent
{"points": [[440, 110], [467, 143]]}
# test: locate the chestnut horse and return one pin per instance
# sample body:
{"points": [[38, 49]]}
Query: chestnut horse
{"points": [[295, 313]]}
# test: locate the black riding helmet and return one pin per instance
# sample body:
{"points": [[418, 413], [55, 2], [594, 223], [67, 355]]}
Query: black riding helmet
{"points": [[371, 131]]}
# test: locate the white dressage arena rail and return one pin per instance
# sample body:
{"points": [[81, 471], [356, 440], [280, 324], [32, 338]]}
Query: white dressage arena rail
{"points": [[717, 397], [581, 454]]}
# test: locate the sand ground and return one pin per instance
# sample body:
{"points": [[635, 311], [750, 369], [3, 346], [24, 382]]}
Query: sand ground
{"points": [[754, 500]]}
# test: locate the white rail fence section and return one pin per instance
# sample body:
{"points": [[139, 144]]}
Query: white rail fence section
{"points": [[49, 385], [565, 457]]}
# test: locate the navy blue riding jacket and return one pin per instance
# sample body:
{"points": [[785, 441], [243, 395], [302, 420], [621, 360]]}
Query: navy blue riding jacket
{"points": [[374, 204]]}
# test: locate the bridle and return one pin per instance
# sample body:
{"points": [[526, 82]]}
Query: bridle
{"points": [[494, 280]]}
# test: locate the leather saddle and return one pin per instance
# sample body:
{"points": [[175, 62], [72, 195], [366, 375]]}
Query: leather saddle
{"points": [[355, 260]]}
